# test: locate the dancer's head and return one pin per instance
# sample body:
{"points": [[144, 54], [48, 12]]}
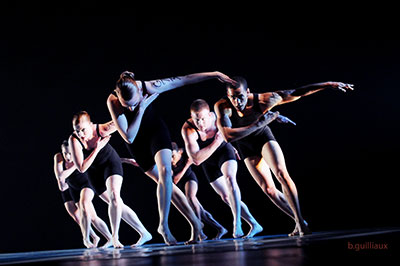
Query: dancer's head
{"points": [[128, 92], [238, 95], [65, 151], [201, 115], [176, 153], [82, 125]]}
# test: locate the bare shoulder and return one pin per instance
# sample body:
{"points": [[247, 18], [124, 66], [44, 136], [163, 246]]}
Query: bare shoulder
{"points": [[268, 100], [222, 107], [58, 157], [187, 130], [113, 104]]}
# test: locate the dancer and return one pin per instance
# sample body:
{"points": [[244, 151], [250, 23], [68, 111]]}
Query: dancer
{"points": [[92, 153], [71, 183], [149, 140], [242, 118], [206, 147]]}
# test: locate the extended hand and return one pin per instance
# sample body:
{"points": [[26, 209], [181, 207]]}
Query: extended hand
{"points": [[341, 86], [284, 119], [102, 142], [147, 100], [224, 78]]}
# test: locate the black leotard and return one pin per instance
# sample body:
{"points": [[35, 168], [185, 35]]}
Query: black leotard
{"points": [[153, 136], [252, 144], [188, 175], [106, 163], [212, 166]]}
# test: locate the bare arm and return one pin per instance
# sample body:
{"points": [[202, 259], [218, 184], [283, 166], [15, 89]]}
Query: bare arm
{"points": [[178, 176], [107, 128], [163, 85], [193, 150], [224, 123], [127, 131], [61, 173], [82, 164], [270, 99]]}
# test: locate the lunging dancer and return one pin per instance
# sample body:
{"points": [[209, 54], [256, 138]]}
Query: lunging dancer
{"points": [[91, 152], [149, 140], [242, 117], [206, 147]]}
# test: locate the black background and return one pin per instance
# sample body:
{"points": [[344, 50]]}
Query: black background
{"points": [[342, 154]]}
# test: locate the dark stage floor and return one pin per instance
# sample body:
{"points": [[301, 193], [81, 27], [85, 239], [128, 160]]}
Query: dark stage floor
{"points": [[351, 247]]}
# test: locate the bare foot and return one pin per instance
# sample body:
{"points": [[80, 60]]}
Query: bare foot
{"points": [[88, 244], [191, 241], [116, 243], [255, 229], [108, 244], [96, 240], [169, 239], [237, 232], [202, 236], [143, 239], [221, 232]]}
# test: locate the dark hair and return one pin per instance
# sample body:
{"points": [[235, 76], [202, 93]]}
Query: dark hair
{"points": [[126, 84], [64, 144], [241, 82], [78, 116], [174, 146], [198, 105]]}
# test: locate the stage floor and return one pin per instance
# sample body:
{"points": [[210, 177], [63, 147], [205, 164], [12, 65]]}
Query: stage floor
{"points": [[362, 246]]}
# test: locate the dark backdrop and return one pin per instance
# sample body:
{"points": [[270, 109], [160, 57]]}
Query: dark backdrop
{"points": [[342, 154]]}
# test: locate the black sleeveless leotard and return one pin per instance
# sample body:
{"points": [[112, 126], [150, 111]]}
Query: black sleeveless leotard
{"points": [[212, 166], [252, 144], [106, 163], [76, 182], [153, 136]]}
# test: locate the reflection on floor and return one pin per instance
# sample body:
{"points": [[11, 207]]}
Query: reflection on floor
{"points": [[355, 246]]}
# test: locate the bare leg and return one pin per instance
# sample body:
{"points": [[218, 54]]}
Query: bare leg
{"points": [[191, 188], [261, 173], [113, 184], [85, 206], [274, 157], [163, 161], [73, 211], [130, 217]]}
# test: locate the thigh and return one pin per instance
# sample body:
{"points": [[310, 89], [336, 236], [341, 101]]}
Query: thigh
{"points": [[87, 194], [229, 168], [273, 155], [191, 188], [260, 171], [114, 184], [220, 186]]}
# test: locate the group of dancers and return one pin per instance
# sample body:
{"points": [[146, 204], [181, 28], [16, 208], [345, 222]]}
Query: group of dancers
{"points": [[238, 128]]}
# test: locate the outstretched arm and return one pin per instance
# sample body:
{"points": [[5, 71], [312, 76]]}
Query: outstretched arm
{"points": [[163, 85], [270, 99]]}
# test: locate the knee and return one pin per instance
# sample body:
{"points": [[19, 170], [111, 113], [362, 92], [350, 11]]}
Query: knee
{"points": [[283, 176], [270, 191], [225, 199], [165, 172], [115, 199]]}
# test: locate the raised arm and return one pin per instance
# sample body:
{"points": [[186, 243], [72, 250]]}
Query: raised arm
{"points": [[163, 85], [270, 99], [225, 126], [107, 128], [193, 150], [61, 173]]}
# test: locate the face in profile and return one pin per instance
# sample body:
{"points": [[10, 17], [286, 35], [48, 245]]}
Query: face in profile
{"points": [[238, 97], [84, 129], [176, 156], [66, 153], [202, 119]]}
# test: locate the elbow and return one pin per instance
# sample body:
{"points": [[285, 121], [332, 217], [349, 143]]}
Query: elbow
{"points": [[196, 162], [81, 169]]}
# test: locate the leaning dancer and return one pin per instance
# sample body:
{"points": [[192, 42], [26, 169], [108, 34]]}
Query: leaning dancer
{"points": [[242, 117], [67, 176], [91, 152], [149, 140], [205, 146]]}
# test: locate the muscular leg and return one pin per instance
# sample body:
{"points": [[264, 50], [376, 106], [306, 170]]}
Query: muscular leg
{"points": [[162, 178], [113, 184], [274, 157], [191, 188], [130, 217], [86, 210]]}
